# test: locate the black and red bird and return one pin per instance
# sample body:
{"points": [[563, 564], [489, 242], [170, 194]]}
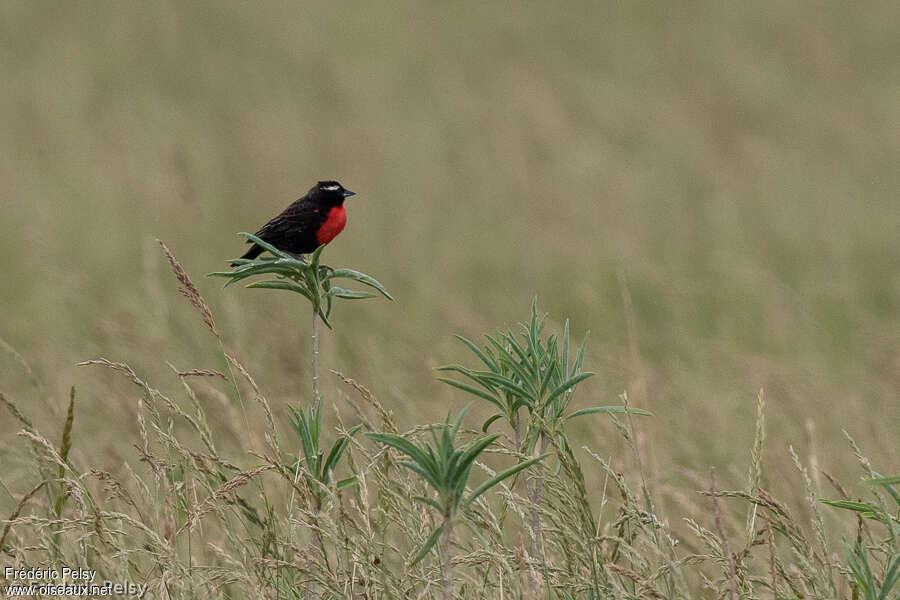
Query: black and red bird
{"points": [[309, 222]]}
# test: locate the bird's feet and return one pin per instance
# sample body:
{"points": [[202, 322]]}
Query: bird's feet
{"points": [[326, 269]]}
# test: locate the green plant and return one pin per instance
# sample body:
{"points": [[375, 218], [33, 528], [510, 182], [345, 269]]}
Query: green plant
{"points": [[861, 571], [875, 510], [309, 278], [446, 469], [532, 372], [319, 468], [315, 282]]}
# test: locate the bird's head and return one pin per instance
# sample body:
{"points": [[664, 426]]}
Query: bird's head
{"points": [[331, 192]]}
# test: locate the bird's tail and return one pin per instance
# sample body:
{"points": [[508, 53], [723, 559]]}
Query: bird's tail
{"points": [[252, 253]]}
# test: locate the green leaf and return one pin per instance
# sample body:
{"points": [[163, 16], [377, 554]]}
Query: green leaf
{"points": [[508, 360], [328, 303], [406, 447], [324, 318], [468, 456], [432, 477], [549, 374], [459, 420], [509, 385], [347, 482], [891, 576], [280, 285], [429, 502], [579, 357], [429, 543], [265, 245], [489, 422], [314, 258], [301, 426], [503, 475], [311, 278], [526, 360], [333, 457], [315, 421], [237, 262], [887, 483], [862, 573], [569, 383], [474, 391], [282, 266], [524, 368], [489, 363], [867, 510], [605, 410], [362, 278], [531, 439], [340, 292], [883, 480]]}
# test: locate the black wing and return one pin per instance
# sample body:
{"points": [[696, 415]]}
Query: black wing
{"points": [[294, 230]]}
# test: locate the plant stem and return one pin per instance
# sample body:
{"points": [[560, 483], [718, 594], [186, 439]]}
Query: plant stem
{"points": [[517, 430], [446, 565], [537, 488], [315, 389], [316, 543], [315, 354]]}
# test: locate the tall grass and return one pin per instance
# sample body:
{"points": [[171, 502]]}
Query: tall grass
{"points": [[733, 161], [194, 522], [709, 188]]}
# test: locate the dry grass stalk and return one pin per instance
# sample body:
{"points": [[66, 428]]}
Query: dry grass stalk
{"points": [[239, 480], [189, 290], [723, 539], [15, 412], [201, 373], [15, 515]]}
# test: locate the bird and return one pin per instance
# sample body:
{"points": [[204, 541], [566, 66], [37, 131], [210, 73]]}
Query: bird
{"points": [[309, 222]]}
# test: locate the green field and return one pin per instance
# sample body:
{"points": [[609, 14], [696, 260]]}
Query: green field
{"points": [[711, 189]]}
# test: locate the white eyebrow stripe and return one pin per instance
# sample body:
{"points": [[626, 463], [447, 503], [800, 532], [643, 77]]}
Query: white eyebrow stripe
{"points": [[332, 188]]}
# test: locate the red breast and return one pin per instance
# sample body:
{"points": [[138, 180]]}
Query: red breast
{"points": [[333, 225]]}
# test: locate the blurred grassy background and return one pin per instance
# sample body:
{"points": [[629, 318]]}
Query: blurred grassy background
{"points": [[726, 169]]}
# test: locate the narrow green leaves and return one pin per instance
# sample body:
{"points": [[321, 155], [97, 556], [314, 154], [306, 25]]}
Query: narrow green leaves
{"points": [[280, 285], [503, 475], [606, 410], [305, 277], [339, 292], [869, 511], [337, 450], [568, 385], [490, 420], [492, 398], [444, 465], [861, 571], [266, 246], [529, 370], [428, 545], [361, 278], [307, 425], [883, 481]]}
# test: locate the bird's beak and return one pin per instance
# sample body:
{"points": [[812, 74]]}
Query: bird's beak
{"points": [[348, 193]]}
